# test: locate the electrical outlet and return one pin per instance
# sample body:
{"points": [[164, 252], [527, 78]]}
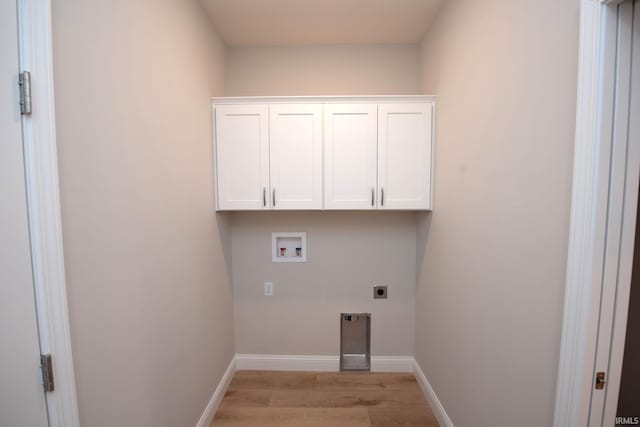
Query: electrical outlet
{"points": [[268, 289], [379, 292]]}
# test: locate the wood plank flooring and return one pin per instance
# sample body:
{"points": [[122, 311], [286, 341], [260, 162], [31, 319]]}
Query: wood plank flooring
{"points": [[323, 399]]}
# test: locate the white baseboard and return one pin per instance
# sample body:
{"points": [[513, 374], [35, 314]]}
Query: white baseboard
{"points": [[218, 395], [264, 362], [434, 402], [392, 364]]}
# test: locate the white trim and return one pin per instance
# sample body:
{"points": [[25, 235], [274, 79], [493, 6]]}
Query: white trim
{"points": [[613, 255], [588, 217], [378, 99], [623, 207], [392, 364], [432, 398], [41, 170], [268, 362], [218, 395], [569, 402]]}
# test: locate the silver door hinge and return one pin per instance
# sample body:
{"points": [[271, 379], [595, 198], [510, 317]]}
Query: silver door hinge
{"points": [[47, 372], [24, 80]]}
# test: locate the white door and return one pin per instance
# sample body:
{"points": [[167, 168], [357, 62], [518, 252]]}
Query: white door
{"points": [[621, 220], [22, 399], [404, 155], [350, 156], [242, 156], [295, 142]]}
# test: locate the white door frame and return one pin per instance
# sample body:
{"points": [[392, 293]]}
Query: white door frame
{"points": [[589, 216], [45, 228]]}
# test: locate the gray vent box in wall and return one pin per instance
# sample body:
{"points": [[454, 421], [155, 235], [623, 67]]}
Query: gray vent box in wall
{"points": [[355, 341]]}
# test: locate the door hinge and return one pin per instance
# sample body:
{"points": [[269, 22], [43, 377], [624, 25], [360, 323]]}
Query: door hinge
{"points": [[600, 380], [47, 372], [24, 80]]}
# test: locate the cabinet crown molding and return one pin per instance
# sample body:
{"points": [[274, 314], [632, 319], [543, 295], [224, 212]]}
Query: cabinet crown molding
{"points": [[378, 99]]}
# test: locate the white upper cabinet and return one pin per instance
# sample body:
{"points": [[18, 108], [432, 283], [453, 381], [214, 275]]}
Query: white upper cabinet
{"points": [[350, 156], [242, 156], [404, 155], [295, 137], [312, 153]]}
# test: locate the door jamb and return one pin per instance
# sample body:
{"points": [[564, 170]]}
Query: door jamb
{"points": [[43, 197], [588, 225]]}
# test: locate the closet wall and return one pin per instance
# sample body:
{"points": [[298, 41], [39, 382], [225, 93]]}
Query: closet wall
{"points": [[348, 253], [148, 278], [492, 255], [324, 70]]}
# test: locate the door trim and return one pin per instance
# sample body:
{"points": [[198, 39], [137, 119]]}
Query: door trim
{"points": [[43, 198], [589, 204], [628, 169]]}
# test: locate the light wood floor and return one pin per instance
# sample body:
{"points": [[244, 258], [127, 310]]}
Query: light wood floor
{"points": [[304, 399]]}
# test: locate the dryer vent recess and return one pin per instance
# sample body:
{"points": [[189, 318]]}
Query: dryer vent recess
{"points": [[355, 342]]}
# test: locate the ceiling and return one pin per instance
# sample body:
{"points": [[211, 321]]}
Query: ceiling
{"points": [[289, 22]]}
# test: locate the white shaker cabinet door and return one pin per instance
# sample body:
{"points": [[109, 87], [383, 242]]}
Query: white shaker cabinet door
{"points": [[295, 132], [404, 155], [350, 156], [242, 156]]}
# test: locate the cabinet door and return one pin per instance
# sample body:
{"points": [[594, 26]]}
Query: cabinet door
{"points": [[242, 156], [350, 156], [404, 155], [295, 132]]}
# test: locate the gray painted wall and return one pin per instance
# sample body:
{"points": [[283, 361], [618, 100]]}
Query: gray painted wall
{"points": [[491, 257], [324, 70], [348, 253], [149, 287]]}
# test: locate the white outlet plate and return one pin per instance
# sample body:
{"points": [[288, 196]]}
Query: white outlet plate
{"points": [[268, 289]]}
